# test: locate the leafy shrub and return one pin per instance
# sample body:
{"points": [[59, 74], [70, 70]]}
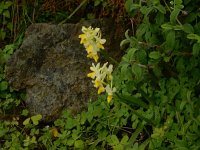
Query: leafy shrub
{"points": [[158, 77], [5, 23]]}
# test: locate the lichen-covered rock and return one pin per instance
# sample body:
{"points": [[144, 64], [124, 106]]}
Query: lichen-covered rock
{"points": [[52, 66]]}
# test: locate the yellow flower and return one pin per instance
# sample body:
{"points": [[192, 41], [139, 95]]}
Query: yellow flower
{"points": [[109, 98], [93, 56], [91, 75], [97, 83], [100, 42], [101, 89], [95, 71], [100, 46], [109, 71], [83, 38], [110, 92], [89, 49]]}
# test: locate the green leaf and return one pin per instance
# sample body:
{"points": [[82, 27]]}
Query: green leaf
{"points": [[157, 115], [174, 15], [79, 144], [135, 134], [2, 34], [170, 40], [36, 119], [9, 49], [97, 2], [131, 7], [135, 146], [131, 53], [178, 27], [70, 142], [141, 56], [137, 70], [196, 49], [33, 140], [166, 59], [125, 71], [25, 112], [7, 4], [118, 147], [26, 122], [3, 131], [133, 100], [146, 10], [6, 14], [83, 117], [160, 18], [155, 55], [142, 29], [70, 123], [3, 85], [183, 103], [161, 9], [148, 36], [10, 26], [126, 34], [124, 140], [194, 37], [189, 95], [128, 5], [27, 141], [114, 139], [188, 28], [144, 144], [167, 26], [124, 42]]}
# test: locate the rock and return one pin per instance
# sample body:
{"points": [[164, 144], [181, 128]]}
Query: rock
{"points": [[51, 66]]}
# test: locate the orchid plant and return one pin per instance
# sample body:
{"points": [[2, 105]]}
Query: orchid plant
{"points": [[101, 76]]}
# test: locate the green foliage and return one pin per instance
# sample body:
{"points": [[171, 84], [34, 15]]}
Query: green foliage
{"points": [[94, 129], [35, 120], [101, 126], [8, 97], [161, 69], [5, 21]]}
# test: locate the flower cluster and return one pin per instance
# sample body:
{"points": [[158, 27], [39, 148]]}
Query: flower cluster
{"points": [[102, 79], [91, 39], [102, 76]]}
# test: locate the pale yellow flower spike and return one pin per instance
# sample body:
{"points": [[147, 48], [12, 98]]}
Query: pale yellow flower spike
{"points": [[102, 76], [91, 38]]}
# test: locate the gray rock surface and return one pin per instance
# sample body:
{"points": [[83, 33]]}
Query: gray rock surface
{"points": [[51, 66]]}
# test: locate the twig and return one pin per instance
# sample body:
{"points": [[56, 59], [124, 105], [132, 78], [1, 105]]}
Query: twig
{"points": [[81, 4]]}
